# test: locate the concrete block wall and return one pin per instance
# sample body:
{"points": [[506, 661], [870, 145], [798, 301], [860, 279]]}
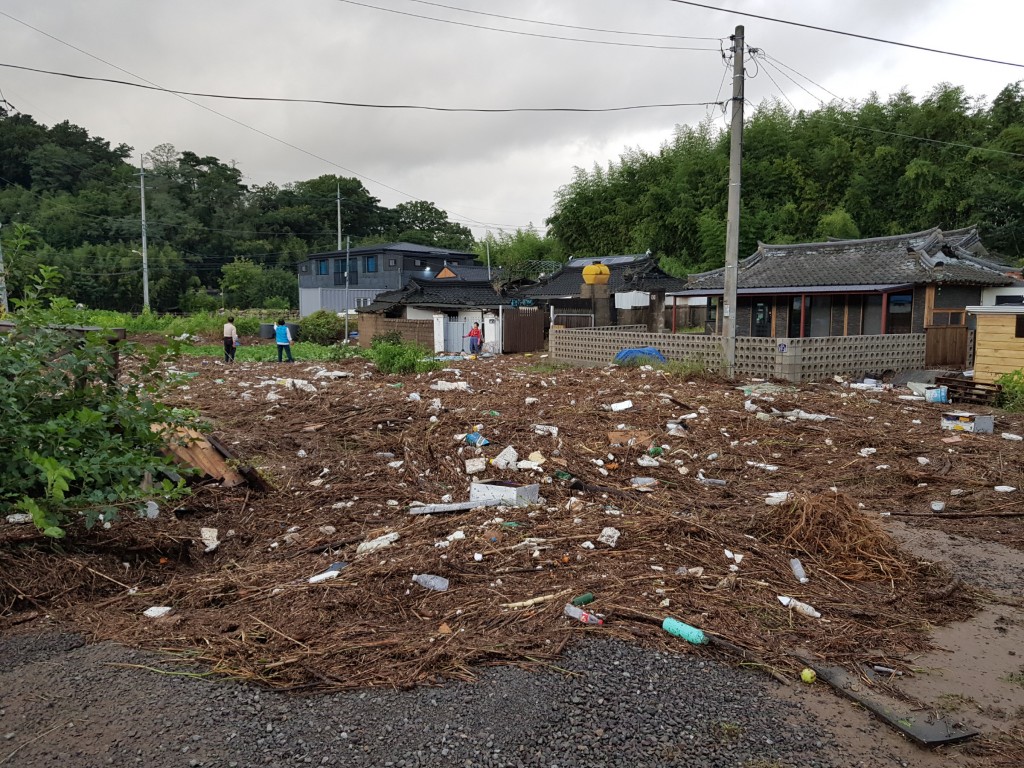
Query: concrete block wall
{"points": [[598, 346], [796, 360]]}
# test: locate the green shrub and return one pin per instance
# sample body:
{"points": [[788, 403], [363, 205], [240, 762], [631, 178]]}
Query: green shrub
{"points": [[402, 358], [322, 327], [1012, 396], [248, 325], [391, 337], [76, 437]]}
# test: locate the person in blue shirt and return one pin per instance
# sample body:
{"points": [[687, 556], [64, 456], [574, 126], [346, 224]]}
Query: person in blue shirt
{"points": [[284, 341]]}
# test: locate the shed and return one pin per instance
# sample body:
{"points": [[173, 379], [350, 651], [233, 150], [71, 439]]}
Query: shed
{"points": [[999, 340]]}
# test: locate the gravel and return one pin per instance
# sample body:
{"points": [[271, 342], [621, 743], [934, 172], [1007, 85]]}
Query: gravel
{"points": [[611, 705]]}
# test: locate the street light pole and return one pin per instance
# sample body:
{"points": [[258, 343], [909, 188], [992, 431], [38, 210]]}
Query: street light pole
{"points": [[145, 250]]}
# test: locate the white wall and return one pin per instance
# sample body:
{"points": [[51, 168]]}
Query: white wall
{"points": [[988, 296], [415, 313], [631, 299]]}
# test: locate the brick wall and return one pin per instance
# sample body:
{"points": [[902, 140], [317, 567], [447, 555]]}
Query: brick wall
{"points": [[417, 331]]}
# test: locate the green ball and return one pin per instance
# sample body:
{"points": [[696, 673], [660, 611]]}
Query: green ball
{"points": [[808, 675]]}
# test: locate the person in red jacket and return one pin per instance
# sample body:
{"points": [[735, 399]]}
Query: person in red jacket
{"points": [[475, 337]]}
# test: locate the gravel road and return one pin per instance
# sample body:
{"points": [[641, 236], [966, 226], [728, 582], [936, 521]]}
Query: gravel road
{"points": [[66, 703]]}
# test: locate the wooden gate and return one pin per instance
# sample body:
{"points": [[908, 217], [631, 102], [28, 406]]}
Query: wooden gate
{"points": [[522, 330], [946, 347]]}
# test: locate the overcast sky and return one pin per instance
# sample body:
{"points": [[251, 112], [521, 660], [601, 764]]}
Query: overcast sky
{"points": [[486, 170]]}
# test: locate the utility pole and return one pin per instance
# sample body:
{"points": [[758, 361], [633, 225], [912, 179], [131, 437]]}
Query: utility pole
{"points": [[145, 249], [4, 309], [732, 231], [346, 283], [488, 243]]}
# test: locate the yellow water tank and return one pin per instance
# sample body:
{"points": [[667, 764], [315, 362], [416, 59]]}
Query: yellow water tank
{"points": [[596, 274]]}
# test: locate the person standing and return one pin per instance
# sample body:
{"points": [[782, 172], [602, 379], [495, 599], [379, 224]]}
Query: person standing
{"points": [[230, 340], [475, 336], [284, 341]]}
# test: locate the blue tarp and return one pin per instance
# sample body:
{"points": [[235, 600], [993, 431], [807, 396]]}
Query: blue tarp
{"points": [[648, 353]]}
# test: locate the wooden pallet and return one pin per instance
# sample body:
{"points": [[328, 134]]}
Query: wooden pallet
{"points": [[969, 391]]}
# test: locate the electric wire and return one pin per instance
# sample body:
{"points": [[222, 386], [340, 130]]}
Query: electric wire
{"points": [[330, 102], [525, 34], [844, 33]]}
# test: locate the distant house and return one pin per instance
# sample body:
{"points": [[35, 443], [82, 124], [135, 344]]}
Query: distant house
{"points": [[882, 285], [371, 270], [448, 304], [632, 281]]}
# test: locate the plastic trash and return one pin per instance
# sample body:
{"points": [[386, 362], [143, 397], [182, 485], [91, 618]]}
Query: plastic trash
{"points": [[575, 612], [708, 480], [475, 466], [776, 498], [647, 461], [507, 459], [625, 405], [609, 536], [330, 573], [381, 542], [431, 582], [685, 631], [793, 604], [798, 570], [938, 506], [209, 539], [584, 599], [157, 611], [643, 483], [1011, 436], [545, 429], [1005, 489], [414, 397], [152, 510], [475, 438]]}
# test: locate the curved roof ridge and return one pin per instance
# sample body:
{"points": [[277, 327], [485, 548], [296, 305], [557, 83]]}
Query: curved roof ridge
{"points": [[859, 241]]}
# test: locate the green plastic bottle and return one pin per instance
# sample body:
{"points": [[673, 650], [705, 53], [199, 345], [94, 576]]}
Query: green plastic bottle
{"points": [[685, 631]]}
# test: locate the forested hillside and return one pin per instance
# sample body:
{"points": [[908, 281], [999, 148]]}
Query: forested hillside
{"points": [[72, 200], [874, 168]]}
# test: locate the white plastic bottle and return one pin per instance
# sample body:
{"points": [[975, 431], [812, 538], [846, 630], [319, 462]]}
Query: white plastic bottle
{"points": [[799, 607], [429, 581], [798, 570]]}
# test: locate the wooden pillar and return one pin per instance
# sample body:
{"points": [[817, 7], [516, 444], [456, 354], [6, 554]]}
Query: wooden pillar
{"points": [[885, 311], [803, 315]]}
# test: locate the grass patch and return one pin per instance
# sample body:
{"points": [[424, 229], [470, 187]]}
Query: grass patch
{"points": [[402, 357], [953, 702], [545, 367], [728, 731], [1015, 678], [267, 353]]}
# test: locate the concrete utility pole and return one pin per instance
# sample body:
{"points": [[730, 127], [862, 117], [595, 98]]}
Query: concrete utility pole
{"points": [[732, 231], [4, 309], [145, 249]]}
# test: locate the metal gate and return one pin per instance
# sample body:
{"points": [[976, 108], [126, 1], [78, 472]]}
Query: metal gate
{"points": [[454, 331], [522, 330]]}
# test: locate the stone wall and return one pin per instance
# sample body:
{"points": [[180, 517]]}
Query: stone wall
{"points": [[797, 360]]}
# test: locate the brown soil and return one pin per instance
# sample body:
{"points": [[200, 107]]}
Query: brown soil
{"points": [[247, 611]]}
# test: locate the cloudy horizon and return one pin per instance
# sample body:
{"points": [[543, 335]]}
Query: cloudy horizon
{"points": [[489, 171]]}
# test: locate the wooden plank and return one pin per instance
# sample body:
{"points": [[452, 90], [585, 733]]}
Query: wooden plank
{"points": [[191, 448]]}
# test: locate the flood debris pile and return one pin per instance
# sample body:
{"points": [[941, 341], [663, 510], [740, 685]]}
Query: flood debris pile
{"points": [[663, 497]]}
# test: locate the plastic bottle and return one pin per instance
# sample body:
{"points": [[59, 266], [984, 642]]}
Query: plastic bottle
{"points": [[429, 581], [799, 607], [579, 614], [798, 570], [586, 597], [685, 631]]}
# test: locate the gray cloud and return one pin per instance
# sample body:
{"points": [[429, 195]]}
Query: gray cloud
{"points": [[498, 169]]}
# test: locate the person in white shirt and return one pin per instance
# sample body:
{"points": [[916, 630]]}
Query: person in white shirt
{"points": [[230, 340]]}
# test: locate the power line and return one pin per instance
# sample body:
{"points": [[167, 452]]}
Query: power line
{"points": [[329, 102], [564, 26], [526, 34], [220, 114], [843, 33]]}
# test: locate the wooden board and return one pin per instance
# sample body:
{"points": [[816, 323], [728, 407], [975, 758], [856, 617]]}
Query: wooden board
{"points": [[191, 448]]}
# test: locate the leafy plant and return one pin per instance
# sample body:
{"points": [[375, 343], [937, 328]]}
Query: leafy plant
{"points": [[322, 327], [1012, 396], [402, 358], [267, 353], [76, 437]]}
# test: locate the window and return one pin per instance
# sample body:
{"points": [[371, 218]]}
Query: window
{"points": [[322, 267], [761, 318], [794, 318], [900, 313], [339, 266], [820, 310], [947, 317], [392, 262], [370, 264], [1019, 333], [363, 302]]}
